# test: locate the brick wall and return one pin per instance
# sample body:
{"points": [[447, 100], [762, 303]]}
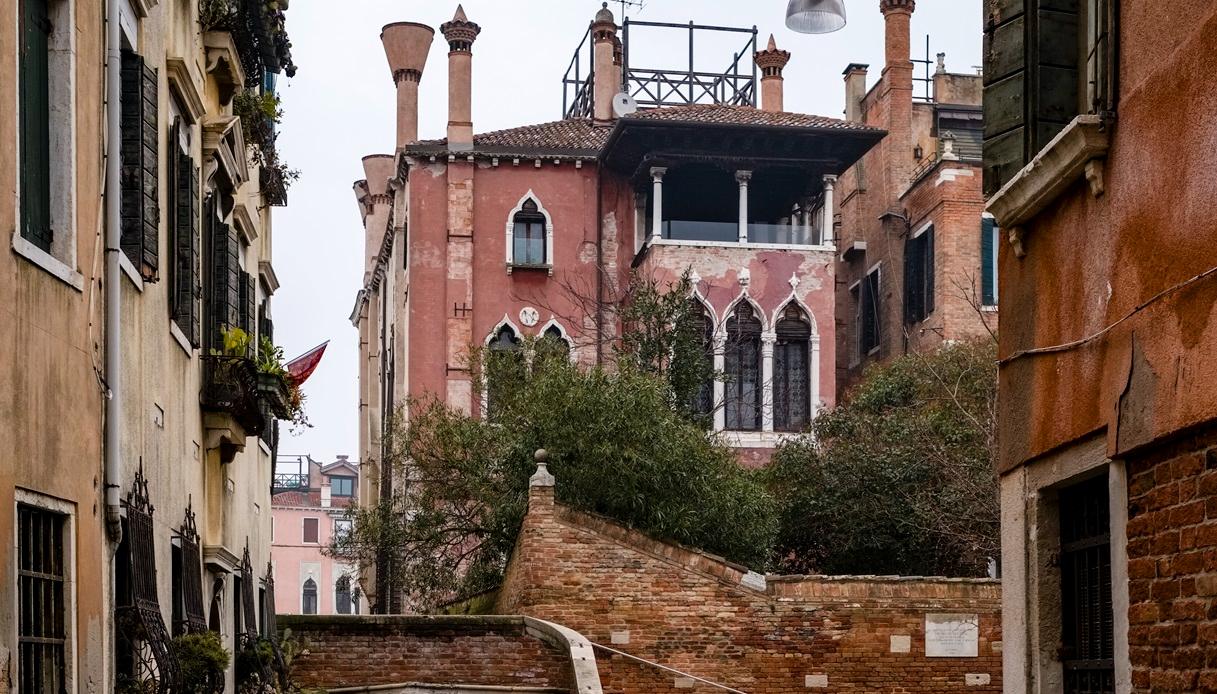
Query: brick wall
{"points": [[1172, 566], [367, 651], [698, 614]]}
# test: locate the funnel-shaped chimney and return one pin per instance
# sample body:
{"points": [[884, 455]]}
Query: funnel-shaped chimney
{"points": [[460, 34], [771, 61], [406, 47]]}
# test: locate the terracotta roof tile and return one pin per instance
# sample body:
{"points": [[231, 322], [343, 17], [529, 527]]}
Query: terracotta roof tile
{"points": [[743, 115], [292, 499], [580, 136]]}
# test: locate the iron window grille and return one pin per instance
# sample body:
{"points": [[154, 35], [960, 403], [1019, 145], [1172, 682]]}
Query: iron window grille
{"points": [[41, 579], [743, 366], [142, 635], [1087, 625], [791, 371], [192, 574]]}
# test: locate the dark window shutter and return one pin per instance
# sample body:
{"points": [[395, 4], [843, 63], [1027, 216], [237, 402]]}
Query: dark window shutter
{"points": [[139, 154], [988, 263], [225, 279], [248, 299], [912, 283], [1101, 72], [186, 242], [927, 272], [1031, 81], [870, 312], [35, 123]]}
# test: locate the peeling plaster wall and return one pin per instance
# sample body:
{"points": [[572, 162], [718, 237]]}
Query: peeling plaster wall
{"points": [[1092, 262]]}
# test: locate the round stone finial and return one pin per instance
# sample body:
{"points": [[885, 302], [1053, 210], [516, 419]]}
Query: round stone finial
{"points": [[605, 14], [541, 456], [542, 477]]}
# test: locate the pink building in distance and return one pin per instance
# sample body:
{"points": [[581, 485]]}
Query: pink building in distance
{"points": [[308, 507]]}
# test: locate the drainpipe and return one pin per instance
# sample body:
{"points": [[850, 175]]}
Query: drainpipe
{"points": [[600, 262], [113, 295]]}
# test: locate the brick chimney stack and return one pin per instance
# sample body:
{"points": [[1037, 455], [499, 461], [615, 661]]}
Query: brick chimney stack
{"points": [[460, 34], [855, 91], [406, 47], [606, 80], [771, 61], [898, 88]]}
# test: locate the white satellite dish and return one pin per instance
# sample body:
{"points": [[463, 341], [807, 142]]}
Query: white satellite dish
{"points": [[624, 105]]}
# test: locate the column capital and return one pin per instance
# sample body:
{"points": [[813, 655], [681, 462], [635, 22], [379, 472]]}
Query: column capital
{"points": [[657, 173], [719, 341], [743, 176], [829, 180]]}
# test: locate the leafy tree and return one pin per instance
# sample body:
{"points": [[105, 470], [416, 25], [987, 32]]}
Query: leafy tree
{"points": [[618, 447], [899, 479]]}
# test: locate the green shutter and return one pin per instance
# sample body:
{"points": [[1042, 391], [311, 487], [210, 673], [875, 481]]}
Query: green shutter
{"points": [[35, 123], [185, 290], [140, 154], [912, 283], [988, 263], [1031, 80], [225, 279], [927, 271], [248, 299]]}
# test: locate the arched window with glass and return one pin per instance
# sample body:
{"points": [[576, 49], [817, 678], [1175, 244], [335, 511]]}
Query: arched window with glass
{"points": [[703, 403], [308, 598], [743, 370], [528, 236], [342, 595], [504, 367], [792, 370]]}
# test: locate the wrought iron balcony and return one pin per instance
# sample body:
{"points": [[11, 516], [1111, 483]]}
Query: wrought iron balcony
{"points": [[230, 385], [289, 482]]}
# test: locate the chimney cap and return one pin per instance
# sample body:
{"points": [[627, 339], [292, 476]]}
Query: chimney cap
{"points": [[772, 59], [855, 67], [605, 15], [886, 6], [460, 32], [406, 46]]}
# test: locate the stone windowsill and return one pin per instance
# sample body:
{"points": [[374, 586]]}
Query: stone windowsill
{"points": [[1051, 173], [538, 267], [56, 267]]}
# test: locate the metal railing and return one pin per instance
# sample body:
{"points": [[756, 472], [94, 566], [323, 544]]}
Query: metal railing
{"points": [[653, 87], [289, 481]]}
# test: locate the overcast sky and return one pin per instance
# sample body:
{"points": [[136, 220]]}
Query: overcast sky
{"points": [[340, 107]]}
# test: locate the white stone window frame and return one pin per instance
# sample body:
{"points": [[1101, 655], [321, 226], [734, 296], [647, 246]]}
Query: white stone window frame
{"points": [[61, 261], [310, 569], [563, 334], [549, 235], [1031, 584], [505, 322], [813, 360], [720, 364], [68, 510]]}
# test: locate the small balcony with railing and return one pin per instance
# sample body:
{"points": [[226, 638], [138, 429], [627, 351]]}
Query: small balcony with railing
{"points": [[291, 474]]}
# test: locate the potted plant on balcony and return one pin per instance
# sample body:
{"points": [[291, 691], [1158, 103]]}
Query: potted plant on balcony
{"points": [[273, 384], [230, 380]]}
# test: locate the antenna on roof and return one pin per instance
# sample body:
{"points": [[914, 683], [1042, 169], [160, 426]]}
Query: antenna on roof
{"points": [[640, 4]]}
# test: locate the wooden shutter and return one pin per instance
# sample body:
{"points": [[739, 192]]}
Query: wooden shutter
{"points": [[225, 279], [186, 241], [35, 123], [139, 153], [913, 308], [1101, 72], [1030, 81], [248, 299], [927, 272], [988, 263]]}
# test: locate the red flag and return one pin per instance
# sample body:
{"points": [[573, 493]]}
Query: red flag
{"points": [[300, 368]]}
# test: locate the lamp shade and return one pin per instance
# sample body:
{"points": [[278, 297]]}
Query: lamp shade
{"points": [[815, 16]]}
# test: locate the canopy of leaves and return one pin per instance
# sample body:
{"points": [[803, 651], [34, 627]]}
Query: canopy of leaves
{"points": [[616, 444], [899, 479]]}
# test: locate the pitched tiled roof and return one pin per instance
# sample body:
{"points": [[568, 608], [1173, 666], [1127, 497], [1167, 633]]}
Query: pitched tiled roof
{"points": [[742, 115], [578, 136], [293, 499]]}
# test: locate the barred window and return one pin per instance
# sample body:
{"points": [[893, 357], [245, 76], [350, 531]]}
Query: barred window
{"points": [[792, 371], [1087, 625], [41, 579], [743, 366], [309, 597]]}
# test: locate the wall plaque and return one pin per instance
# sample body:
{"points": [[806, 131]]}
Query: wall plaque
{"points": [[952, 635]]}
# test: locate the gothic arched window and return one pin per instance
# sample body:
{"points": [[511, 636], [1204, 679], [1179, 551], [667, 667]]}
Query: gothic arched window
{"points": [[703, 403], [792, 371], [743, 367], [504, 366], [554, 343], [342, 595], [309, 597], [528, 235]]}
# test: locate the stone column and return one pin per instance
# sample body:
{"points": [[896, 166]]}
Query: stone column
{"points": [[815, 376], [657, 173], [768, 341], [826, 234], [743, 177], [720, 388]]}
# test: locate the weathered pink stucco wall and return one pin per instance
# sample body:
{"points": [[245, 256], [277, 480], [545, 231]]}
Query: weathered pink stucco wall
{"points": [[290, 555]]}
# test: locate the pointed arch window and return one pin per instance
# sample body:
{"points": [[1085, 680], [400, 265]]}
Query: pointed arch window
{"points": [[703, 403], [309, 597], [743, 367], [342, 595], [505, 365], [555, 343], [529, 245], [792, 370]]}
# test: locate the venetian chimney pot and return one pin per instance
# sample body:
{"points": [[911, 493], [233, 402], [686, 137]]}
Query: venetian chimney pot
{"points": [[460, 33], [855, 91], [406, 47], [897, 16], [771, 61], [606, 65]]}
